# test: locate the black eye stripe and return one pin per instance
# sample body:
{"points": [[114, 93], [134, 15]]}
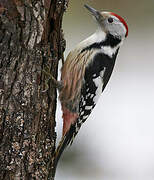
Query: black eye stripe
{"points": [[110, 19]]}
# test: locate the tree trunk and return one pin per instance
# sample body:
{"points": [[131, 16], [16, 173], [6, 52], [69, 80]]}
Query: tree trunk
{"points": [[31, 39]]}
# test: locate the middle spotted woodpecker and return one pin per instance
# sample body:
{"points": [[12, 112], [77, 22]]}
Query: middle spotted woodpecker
{"points": [[87, 71]]}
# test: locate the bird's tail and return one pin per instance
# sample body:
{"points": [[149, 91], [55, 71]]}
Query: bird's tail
{"points": [[66, 140]]}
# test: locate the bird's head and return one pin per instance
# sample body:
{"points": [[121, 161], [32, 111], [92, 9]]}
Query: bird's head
{"points": [[110, 23]]}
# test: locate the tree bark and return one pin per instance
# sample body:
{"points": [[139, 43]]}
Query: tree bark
{"points": [[30, 39]]}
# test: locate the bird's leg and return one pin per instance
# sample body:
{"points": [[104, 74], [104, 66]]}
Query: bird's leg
{"points": [[57, 84]]}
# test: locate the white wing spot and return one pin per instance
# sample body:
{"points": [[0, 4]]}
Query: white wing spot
{"points": [[85, 117], [82, 113], [84, 103], [94, 75], [88, 94], [88, 107], [92, 95]]}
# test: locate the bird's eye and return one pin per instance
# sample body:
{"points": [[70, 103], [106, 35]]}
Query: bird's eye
{"points": [[110, 20]]}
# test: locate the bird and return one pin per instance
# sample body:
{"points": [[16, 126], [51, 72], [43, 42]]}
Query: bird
{"points": [[86, 72]]}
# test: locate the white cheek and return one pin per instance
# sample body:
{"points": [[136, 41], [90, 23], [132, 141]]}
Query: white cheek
{"points": [[117, 29]]}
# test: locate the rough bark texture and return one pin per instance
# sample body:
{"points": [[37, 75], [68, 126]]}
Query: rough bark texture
{"points": [[30, 39]]}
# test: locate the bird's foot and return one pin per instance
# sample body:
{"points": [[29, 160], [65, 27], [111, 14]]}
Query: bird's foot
{"points": [[55, 83]]}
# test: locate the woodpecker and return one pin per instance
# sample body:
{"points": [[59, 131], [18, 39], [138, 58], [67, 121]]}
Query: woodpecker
{"points": [[86, 72]]}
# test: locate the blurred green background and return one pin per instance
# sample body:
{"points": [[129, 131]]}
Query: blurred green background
{"points": [[117, 141]]}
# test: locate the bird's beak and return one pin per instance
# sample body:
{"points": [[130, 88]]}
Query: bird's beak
{"points": [[94, 12]]}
